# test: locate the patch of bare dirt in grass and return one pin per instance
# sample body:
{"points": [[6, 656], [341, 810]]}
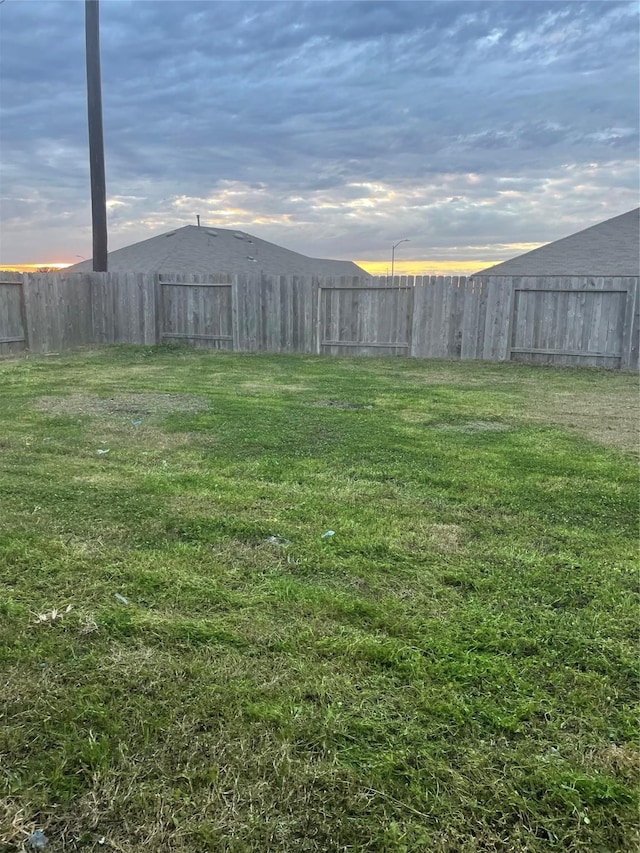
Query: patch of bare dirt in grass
{"points": [[122, 404]]}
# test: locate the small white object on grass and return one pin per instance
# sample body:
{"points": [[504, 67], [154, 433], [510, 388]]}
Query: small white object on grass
{"points": [[102, 452], [277, 540], [327, 534], [121, 598], [38, 840]]}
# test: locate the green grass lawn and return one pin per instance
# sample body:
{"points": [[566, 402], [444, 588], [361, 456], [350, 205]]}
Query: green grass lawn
{"points": [[454, 670]]}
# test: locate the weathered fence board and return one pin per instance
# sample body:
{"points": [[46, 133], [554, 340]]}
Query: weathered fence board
{"points": [[13, 330], [592, 321]]}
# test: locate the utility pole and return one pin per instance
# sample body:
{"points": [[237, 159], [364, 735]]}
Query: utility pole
{"points": [[96, 141]]}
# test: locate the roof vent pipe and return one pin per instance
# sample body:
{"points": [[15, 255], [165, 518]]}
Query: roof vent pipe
{"points": [[198, 218]]}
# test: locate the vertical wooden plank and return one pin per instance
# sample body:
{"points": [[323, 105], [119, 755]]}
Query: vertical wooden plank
{"points": [[306, 328], [615, 333], [500, 331], [253, 294], [470, 310], [558, 337], [629, 356], [634, 337], [604, 326], [417, 321], [243, 317], [410, 307], [235, 323], [489, 285], [429, 309], [260, 296], [542, 334], [24, 320], [155, 319], [30, 307], [328, 294], [489, 320], [588, 308], [448, 338], [292, 306], [444, 318], [359, 307], [97, 315], [368, 318], [386, 314]]}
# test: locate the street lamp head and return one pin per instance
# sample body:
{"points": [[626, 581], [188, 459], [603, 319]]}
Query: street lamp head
{"points": [[405, 240]]}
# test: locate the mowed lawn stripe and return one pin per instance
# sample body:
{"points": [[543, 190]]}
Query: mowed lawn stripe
{"points": [[189, 665]]}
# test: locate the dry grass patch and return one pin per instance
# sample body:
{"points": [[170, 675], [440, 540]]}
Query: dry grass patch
{"points": [[447, 538], [423, 536], [272, 387], [341, 404], [15, 827], [618, 759], [472, 426], [123, 404], [610, 418]]}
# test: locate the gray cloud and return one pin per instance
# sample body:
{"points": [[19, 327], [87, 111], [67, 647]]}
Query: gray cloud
{"points": [[281, 116]]}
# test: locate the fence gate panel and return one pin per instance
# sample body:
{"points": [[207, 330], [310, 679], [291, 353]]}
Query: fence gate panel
{"points": [[197, 313], [13, 336], [568, 326], [365, 320]]}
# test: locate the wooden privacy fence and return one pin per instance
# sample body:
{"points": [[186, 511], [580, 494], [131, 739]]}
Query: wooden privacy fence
{"points": [[563, 320]]}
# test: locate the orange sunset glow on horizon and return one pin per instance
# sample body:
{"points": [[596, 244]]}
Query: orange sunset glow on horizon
{"points": [[33, 267], [425, 267], [372, 267]]}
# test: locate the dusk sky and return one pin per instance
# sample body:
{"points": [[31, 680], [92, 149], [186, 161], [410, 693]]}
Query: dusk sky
{"points": [[477, 130]]}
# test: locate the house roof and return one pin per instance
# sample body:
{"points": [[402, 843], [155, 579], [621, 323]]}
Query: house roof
{"points": [[608, 248], [198, 249]]}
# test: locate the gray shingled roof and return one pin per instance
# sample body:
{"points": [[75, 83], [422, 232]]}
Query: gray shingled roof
{"points": [[609, 248], [194, 249]]}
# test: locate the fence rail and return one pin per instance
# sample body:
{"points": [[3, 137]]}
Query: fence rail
{"points": [[559, 320]]}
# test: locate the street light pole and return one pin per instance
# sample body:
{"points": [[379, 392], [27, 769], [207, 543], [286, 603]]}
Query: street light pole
{"points": [[96, 141], [393, 254]]}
